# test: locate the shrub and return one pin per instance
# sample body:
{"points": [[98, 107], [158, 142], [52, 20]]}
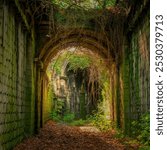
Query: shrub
{"points": [[79, 122], [100, 121], [99, 118], [59, 104], [55, 116], [141, 129], [68, 117]]}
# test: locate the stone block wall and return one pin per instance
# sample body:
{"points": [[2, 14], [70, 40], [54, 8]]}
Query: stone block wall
{"points": [[16, 96], [139, 70], [135, 72]]}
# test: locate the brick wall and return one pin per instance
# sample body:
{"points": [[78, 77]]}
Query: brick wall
{"points": [[16, 94]]}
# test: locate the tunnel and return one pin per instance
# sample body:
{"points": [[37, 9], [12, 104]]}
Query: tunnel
{"points": [[114, 35]]}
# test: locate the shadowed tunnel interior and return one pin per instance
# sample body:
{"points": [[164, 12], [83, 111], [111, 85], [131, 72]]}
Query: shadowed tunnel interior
{"points": [[79, 59]]}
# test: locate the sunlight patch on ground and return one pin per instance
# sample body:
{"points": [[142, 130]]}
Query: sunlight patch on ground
{"points": [[89, 129]]}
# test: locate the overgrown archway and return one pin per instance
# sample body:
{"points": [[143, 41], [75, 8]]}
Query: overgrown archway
{"points": [[90, 41], [33, 32], [100, 30], [79, 79]]}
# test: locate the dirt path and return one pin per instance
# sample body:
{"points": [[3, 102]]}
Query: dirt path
{"points": [[61, 137]]}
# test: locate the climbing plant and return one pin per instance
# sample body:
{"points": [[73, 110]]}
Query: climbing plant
{"points": [[86, 4], [141, 129], [105, 17], [80, 62], [75, 61]]}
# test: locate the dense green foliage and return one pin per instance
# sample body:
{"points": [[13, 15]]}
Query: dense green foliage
{"points": [[79, 122], [80, 13], [99, 118], [78, 62], [54, 116], [68, 118], [85, 4], [58, 106], [75, 61], [141, 129]]}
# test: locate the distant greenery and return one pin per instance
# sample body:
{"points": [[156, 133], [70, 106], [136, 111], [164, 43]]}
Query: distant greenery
{"points": [[55, 116], [79, 122], [75, 61], [58, 106], [78, 62], [98, 118], [68, 118]]}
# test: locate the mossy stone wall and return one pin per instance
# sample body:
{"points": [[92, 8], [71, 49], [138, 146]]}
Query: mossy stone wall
{"points": [[135, 71], [18, 105], [16, 79]]}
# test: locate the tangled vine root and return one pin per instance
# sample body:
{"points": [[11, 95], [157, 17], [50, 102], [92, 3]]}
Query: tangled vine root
{"points": [[108, 22]]}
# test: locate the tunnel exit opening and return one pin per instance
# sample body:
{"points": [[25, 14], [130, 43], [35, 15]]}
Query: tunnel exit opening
{"points": [[101, 85], [79, 88]]}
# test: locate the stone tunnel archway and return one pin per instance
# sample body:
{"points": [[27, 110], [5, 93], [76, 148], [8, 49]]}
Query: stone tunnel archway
{"points": [[90, 40], [22, 81]]}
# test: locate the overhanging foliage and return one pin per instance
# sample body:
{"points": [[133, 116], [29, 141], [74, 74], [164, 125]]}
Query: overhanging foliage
{"points": [[85, 4]]}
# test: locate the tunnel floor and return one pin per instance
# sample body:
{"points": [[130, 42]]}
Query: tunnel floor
{"points": [[55, 136]]}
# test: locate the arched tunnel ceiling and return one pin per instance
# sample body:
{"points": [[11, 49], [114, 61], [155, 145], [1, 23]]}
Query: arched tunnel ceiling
{"points": [[82, 27], [87, 39], [95, 29]]}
